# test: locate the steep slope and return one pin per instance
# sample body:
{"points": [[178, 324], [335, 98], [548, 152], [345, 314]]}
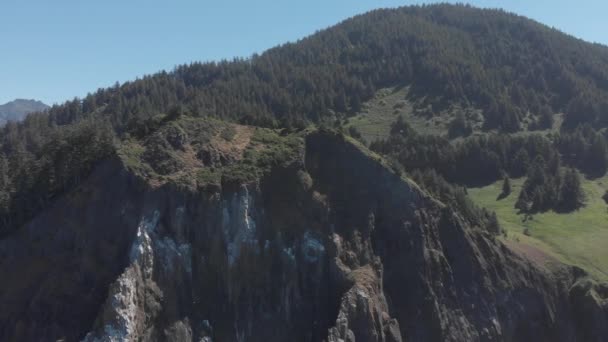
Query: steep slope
{"points": [[198, 229], [578, 238], [516, 70], [504, 71], [318, 240], [18, 109]]}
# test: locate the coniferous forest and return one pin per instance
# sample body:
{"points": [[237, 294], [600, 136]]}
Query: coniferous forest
{"points": [[423, 173], [520, 74]]}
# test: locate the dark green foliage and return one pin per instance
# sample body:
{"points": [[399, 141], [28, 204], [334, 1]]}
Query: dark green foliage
{"points": [[605, 197], [456, 197], [587, 107], [59, 164], [503, 64], [506, 187], [459, 126], [571, 195], [488, 158], [5, 188], [473, 161], [545, 118], [520, 163], [541, 188], [545, 189], [503, 115], [585, 149], [597, 156]]}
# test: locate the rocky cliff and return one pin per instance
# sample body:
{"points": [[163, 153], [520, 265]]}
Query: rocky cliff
{"points": [[219, 233]]}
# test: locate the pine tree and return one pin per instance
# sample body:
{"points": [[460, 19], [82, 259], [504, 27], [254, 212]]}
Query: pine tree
{"points": [[4, 173], [520, 163], [523, 202], [571, 196], [597, 157], [545, 120], [506, 186], [355, 104]]}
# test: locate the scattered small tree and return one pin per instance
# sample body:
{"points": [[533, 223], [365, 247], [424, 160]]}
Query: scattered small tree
{"points": [[493, 224], [571, 196], [506, 186]]}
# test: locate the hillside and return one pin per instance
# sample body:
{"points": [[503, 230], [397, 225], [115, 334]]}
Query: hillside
{"points": [[17, 110], [181, 244], [513, 68], [486, 62], [576, 238], [343, 187]]}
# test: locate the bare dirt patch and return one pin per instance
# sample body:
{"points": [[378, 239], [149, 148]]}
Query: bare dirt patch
{"points": [[533, 254], [233, 147]]}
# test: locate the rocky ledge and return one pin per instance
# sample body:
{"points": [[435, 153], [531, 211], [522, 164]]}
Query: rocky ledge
{"points": [[323, 244]]}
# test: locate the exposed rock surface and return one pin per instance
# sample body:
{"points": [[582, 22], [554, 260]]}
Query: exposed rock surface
{"points": [[333, 247]]}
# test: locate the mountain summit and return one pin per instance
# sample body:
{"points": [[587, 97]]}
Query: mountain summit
{"points": [[18, 109]]}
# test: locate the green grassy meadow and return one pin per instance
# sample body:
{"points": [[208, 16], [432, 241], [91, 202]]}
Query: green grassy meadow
{"points": [[579, 238]]}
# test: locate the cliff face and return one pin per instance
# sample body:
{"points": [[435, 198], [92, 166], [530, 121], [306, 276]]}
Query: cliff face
{"points": [[331, 246]]}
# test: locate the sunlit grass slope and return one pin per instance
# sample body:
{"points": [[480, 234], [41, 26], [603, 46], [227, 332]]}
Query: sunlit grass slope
{"points": [[579, 238]]}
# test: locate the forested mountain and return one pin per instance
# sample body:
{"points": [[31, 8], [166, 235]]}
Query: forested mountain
{"points": [[174, 206], [507, 65], [519, 72], [17, 110]]}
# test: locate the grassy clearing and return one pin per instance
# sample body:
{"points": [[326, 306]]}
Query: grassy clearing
{"points": [[579, 238], [375, 119]]}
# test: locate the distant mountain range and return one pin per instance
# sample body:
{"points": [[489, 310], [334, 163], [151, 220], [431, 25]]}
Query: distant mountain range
{"points": [[18, 109]]}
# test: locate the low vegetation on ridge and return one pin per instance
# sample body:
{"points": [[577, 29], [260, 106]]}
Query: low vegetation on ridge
{"points": [[197, 152]]}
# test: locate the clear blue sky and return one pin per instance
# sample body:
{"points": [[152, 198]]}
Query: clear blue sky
{"points": [[56, 50]]}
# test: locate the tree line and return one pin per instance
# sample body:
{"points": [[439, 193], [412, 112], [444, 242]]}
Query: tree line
{"points": [[518, 72], [484, 159]]}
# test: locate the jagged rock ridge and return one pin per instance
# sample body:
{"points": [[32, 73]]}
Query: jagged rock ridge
{"points": [[329, 245]]}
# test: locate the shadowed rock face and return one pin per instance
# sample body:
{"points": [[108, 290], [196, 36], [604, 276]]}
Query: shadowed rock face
{"points": [[333, 247]]}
